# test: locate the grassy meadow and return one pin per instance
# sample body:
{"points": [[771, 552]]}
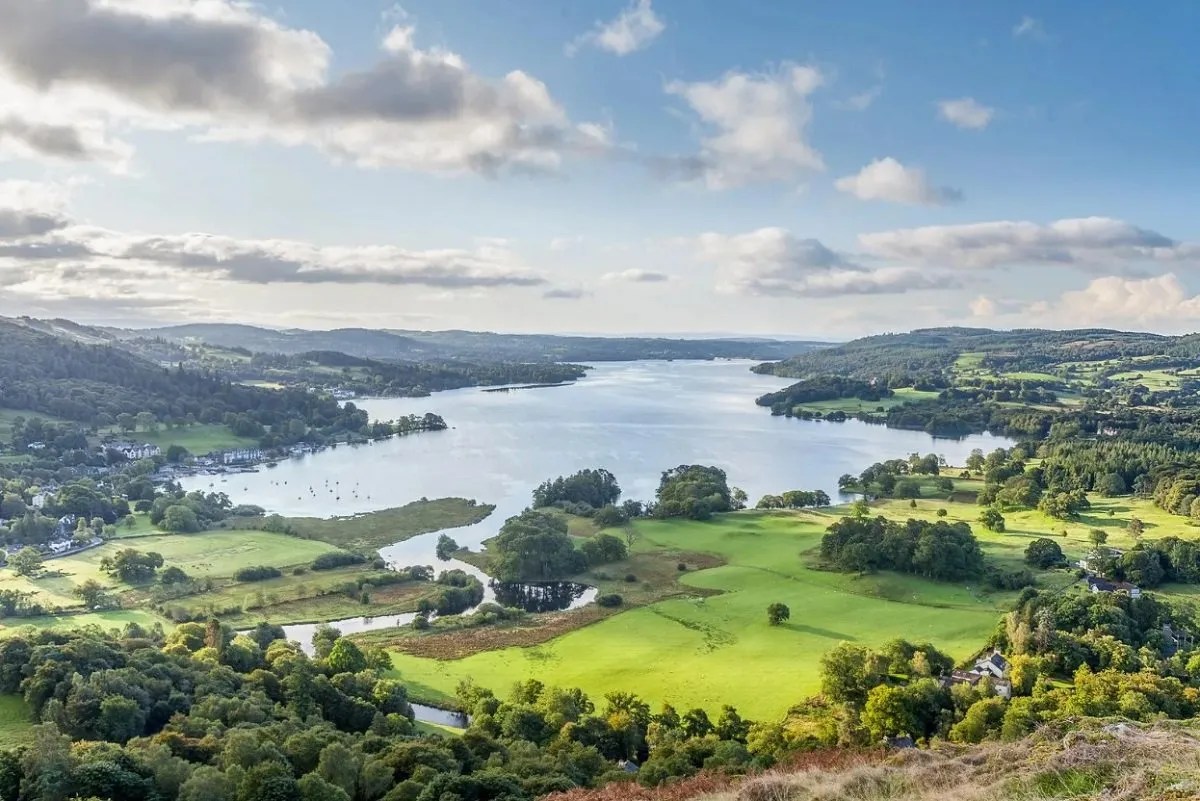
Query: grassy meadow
{"points": [[369, 532], [701, 638], [716, 647], [199, 439]]}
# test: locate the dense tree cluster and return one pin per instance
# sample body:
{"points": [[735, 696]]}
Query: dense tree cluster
{"points": [[205, 714], [696, 491], [591, 488], [938, 550], [795, 499], [535, 546]]}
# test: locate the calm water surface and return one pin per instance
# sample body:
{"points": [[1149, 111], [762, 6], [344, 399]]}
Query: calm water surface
{"points": [[633, 418]]}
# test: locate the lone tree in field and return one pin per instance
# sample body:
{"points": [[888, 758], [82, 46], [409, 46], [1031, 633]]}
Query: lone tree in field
{"points": [[1098, 536], [1136, 527], [777, 613], [992, 520], [26, 562]]}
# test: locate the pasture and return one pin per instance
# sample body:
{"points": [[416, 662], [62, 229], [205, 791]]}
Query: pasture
{"points": [[712, 649], [199, 439]]}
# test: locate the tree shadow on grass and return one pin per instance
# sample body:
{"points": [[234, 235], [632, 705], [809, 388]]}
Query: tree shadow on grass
{"points": [[828, 634]]}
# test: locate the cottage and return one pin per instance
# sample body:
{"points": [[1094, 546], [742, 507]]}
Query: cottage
{"points": [[1097, 584], [994, 665]]}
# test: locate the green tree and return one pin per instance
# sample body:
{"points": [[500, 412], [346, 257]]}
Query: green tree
{"points": [[1097, 537], [345, 657], [26, 562], [180, 519], [848, 672], [992, 520], [777, 613], [446, 546], [91, 592], [1044, 553]]}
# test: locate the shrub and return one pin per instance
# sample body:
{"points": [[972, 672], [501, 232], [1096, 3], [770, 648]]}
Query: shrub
{"points": [[630, 578], [610, 600], [681, 567], [257, 573], [335, 559]]}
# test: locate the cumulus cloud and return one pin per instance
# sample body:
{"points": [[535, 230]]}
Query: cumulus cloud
{"points": [[1161, 301], [43, 251], [888, 179], [21, 137], [637, 276], [633, 29], [224, 68], [966, 112], [29, 210], [773, 262], [1085, 242], [757, 126]]}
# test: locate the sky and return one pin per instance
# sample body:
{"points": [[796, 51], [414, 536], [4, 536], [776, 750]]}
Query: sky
{"points": [[803, 169]]}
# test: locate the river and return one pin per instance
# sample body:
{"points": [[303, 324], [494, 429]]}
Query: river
{"points": [[633, 418]]}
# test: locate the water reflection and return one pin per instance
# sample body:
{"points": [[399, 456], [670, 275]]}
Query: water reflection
{"points": [[549, 596]]}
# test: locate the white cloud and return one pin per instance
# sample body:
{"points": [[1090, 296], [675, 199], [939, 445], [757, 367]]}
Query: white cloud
{"points": [[1161, 301], [633, 29], [888, 179], [966, 112], [758, 124], [41, 247], [773, 262], [861, 101], [224, 70], [636, 276], [1085, 242], [565, 293], [30, 210], [983, 306], [1030, 28]]}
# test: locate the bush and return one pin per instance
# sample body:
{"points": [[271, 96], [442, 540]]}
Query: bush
{"points": [[630, 578], [611, 600], [602, 549], [299, 571], [681, 567], [257, 573], [335, 559]]}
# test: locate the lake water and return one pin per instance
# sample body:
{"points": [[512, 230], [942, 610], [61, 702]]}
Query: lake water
{"points": [[634, 418]]}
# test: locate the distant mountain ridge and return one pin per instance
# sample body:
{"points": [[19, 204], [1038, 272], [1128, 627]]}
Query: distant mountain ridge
{"points": [[404, 345]]}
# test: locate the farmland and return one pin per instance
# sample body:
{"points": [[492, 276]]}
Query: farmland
{"points": [[694, 650]]}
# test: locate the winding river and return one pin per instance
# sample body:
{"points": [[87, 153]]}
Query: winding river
{"points": [[633, 418]]}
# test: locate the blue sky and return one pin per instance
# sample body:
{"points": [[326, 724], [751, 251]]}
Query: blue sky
{"points": [[653, 166]]}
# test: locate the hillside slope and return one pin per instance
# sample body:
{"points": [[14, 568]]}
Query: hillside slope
{"points": [[472, 345], [932, 351], [1086, 761]]}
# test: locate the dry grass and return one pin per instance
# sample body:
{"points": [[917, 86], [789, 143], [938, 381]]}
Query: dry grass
{"points": [[1113, 762]]}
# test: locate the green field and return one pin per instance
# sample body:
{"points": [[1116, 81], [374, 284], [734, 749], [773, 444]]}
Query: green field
{"points": [[112, 619], [1153, 380], [198, 439], [369, 532], [857, 406], [210, 553], [7, 416], [708, 651], [16, 727]]}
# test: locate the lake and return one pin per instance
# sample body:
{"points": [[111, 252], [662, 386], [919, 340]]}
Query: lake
{"points": [[633, 418]]}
